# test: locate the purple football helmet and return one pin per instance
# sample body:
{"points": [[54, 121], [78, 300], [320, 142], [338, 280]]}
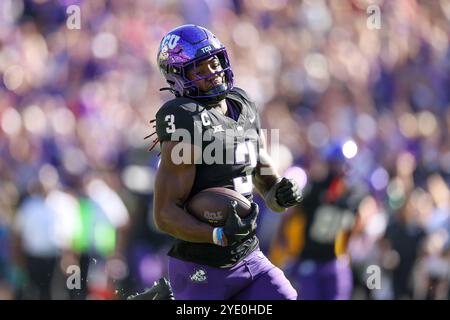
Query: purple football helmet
{"points": [[183, 48]]}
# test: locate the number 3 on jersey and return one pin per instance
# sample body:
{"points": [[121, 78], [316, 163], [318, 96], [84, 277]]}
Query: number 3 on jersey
{"points": [[244, 185], [171, 123]]}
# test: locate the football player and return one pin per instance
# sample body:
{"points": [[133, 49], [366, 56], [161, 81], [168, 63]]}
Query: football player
{"points": [[210, 136], [314, 235]]}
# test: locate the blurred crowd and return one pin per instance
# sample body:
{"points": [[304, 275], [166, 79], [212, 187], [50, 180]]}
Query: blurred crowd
{"points": [[76, 179]]}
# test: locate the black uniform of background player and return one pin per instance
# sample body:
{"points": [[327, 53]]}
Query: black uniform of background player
{"points": [[316, 233], [329, 206]]}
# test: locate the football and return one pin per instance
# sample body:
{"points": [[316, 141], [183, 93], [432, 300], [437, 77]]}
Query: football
{"points": [[212, 205]]}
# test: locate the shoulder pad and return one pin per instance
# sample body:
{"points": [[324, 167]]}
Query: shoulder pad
{"points": [[176, 114], [180, 104], [241, 93]]}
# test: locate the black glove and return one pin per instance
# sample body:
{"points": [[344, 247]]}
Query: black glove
{"points": [[288, 193], [237, 228]]}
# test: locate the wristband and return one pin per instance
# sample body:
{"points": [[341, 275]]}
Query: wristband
{"points": [[218, 237]]}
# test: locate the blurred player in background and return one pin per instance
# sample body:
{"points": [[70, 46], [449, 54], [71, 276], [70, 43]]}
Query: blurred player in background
{"points": [[315, 234], [206, 262]]}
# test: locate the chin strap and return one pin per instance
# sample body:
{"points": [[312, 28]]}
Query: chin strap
{"points": [[219, 89]]}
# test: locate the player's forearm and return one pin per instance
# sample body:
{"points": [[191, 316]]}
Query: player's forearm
{"points": [[263, 183], [179, 224], [266, 185], [266, 175], [265, 180]]}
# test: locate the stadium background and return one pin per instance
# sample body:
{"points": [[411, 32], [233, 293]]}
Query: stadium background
{"points": [[76, 177]]}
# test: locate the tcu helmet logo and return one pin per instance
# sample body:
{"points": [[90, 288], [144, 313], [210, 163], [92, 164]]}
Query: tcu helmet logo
{"points": [[170, 40], [206, 49]]}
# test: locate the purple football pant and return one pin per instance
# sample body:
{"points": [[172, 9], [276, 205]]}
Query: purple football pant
{"points": [[253, 278], [331, 280]]}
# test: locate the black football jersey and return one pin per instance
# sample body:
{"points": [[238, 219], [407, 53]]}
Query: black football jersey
{"points": [[230, 152], [329, 206]]}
